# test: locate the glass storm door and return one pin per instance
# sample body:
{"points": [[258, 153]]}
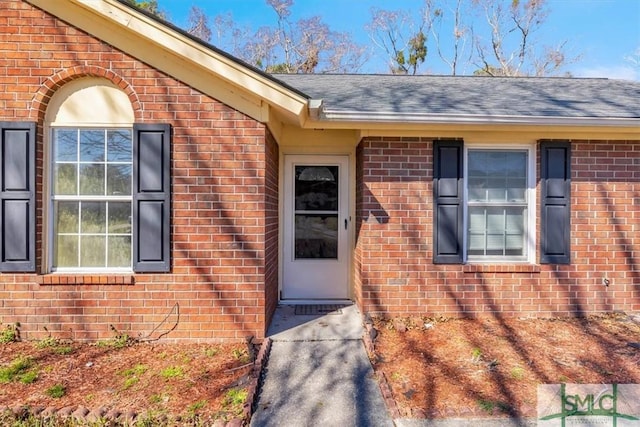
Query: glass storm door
{"points": [[316, 223]]}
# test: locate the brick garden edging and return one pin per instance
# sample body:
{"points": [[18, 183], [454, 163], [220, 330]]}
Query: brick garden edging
{"points": [[77, 413], [368, 340], [254, 380]]}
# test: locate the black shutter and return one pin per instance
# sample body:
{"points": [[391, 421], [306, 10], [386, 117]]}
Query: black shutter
{"points": [[151, 197], [555, 180], [447, 202], [17, 197]]}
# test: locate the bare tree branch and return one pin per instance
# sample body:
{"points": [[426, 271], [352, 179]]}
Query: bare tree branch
{"points": [[495, 37], [198, 24], [513, 51], [403, 41]]}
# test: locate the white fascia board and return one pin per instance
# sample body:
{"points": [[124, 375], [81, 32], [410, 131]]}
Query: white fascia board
{"points": [[104, 15], [422, 118]]}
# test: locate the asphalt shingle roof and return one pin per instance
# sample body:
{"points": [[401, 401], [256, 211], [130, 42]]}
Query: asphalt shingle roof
{"points": [[482, 96]]}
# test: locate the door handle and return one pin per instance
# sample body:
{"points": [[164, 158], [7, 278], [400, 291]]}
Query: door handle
{"points": [[345, 224]]}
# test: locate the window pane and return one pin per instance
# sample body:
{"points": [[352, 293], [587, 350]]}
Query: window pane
{"points": [[92, 252], [92, 179], [497, 176], [119, 180], [476, 219], [65, 145], [497, 189], [119, 251], [516, 190], [92, 146], [495, 244], [65, 179], [67, 217], [515, 234], [94, 217], [119, 145], [476, 244], [316, 188], [477, 162], [119, 218], [495, 221], [66, 251], [515, 242], [316, 236], [516, 163], [477, 189], [496, 231], [515, 220]]}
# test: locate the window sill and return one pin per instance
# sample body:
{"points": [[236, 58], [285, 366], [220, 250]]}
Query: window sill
{"points": [[501, 268], [86, 279]]}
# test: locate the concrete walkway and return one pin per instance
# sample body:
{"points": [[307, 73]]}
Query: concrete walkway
{"points": [[318, 373]]}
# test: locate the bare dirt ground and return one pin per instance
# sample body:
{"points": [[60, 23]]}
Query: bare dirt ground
{"points": [[441, 368], [436, 368], [191, 383]]}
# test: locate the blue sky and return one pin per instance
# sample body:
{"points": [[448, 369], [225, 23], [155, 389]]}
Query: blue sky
{"points": [[603, 32]]}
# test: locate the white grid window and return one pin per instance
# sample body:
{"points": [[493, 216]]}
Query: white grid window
{"points": [[91, 198], [498, 207]]}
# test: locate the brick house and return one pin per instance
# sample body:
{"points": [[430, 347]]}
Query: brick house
{"points": [[155, 185]]}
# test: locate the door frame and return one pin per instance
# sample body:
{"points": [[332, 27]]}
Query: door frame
{"points": [[288, 160]]}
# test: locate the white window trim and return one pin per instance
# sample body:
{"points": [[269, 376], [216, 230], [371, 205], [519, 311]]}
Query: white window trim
{"points": [[531, 199], [50, 208]]}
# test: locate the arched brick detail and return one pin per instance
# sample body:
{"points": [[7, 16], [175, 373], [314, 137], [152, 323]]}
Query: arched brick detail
{"points": [[53, 83]]}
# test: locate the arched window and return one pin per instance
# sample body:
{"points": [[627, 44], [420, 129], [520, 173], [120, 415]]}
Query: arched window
{"points": [[89, 140]]}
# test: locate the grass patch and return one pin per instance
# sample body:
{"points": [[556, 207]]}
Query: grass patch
{"points": [[153, 418], [241, 355], [172, 372], [63, 350], [56, 391], [135, 371], [118, 341], [490, 406], [194, 408], [234, 401], [130, 382], [133, 375], [9, 333], [476, 355], [16, 369], [211, 352], [517, 373], [28, 377], [397, 376], [158, 399], [55, 344], [48, 342]]}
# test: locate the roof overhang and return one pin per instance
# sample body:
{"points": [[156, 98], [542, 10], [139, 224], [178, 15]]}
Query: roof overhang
{"points": [[180, 56], [388, 123], [431, 118]]}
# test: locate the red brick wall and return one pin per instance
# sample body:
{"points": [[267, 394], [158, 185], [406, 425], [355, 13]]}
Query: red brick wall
{"points": [[396, 275], [271, 226], [220, 233], [361, 191]]}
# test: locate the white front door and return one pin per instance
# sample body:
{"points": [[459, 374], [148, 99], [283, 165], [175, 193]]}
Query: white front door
{"points": [[316, 224]]}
